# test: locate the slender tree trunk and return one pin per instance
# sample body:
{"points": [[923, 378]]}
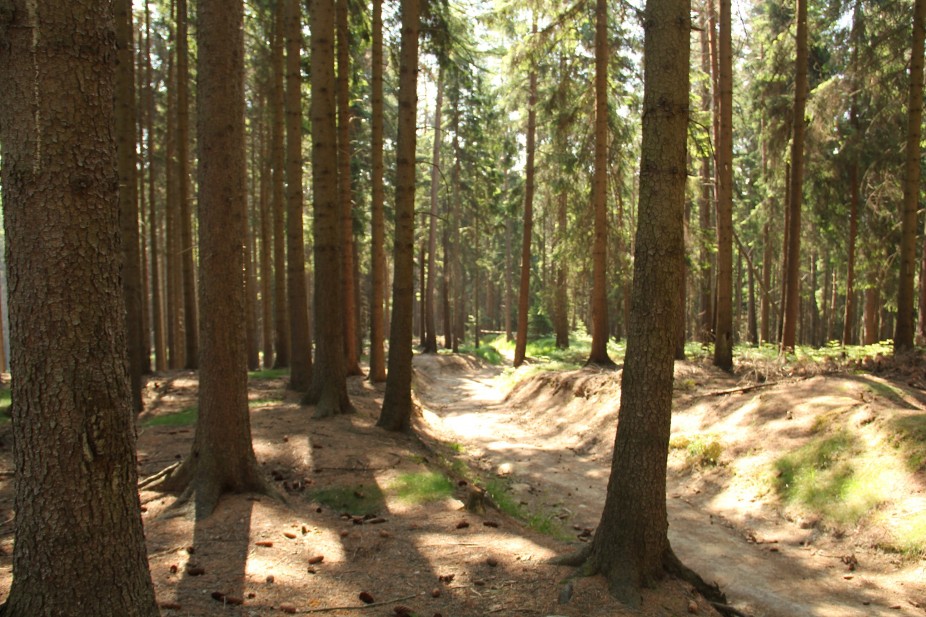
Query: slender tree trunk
{"points": [[849, 318], [80, 545], [560, 296], [430, 340], [599, 350], [157, 317], [705, 296], [723, 326], [397, 402], [266, 244], [872, 316], [329, 375], [458, 273], [520, 348], [795, 190], [281, 333], [903, 333], [509, 335], [445, 290], [300, 376], [378, 224], [187, 263], [171, 242], [345, 190], [751, 323], [631, 546]]}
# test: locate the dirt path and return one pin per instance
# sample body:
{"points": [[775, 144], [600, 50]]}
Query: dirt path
{"points": [[557, 460]]}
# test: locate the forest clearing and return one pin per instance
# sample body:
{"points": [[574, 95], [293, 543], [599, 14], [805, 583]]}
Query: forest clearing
{"points": [[372, 512]]}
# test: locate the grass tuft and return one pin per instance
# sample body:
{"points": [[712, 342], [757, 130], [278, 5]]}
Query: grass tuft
{"points": [[422, 487], [181, 418], [701, 450], [546, 524], [909, 436]]}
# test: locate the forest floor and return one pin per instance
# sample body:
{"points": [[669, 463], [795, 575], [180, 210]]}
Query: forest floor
{"points": [[380, 515]]}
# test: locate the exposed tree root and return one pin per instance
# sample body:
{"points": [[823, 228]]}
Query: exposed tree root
{"points": [[164, 474], [675, 567], [576, 560]]}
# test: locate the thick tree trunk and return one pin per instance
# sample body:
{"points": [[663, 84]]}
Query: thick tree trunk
{"points": [[903, 332], [300, 373], [378, 224], [80, 546], [397, 402], [520, 348], [872, 317], [430, 338], [723, 325], [599, 350], [329, 376], [281, 334], [345, 191], [631, 546], [791, 310]]}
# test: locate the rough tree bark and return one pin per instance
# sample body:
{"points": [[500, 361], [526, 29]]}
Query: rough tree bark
{"points": [[631, 546], [329, 376], [430, 336], [80, 546], [281, 335], [520, 347], [723, 322], [599, 352], [378, 223], [300, 369], [397, 401], [903, 330], [222, 458], [791, 312]]}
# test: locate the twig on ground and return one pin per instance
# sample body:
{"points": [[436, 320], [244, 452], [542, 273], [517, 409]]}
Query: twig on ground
{"points": [[360, 608], [748, 388]]}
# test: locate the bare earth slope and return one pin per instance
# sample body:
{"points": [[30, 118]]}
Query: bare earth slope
{"points": [[550, 441]]}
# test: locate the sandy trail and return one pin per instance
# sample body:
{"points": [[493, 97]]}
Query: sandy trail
{"points": [[765, 568]]}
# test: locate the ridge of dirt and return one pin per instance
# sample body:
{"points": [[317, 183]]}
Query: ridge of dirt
{"points": [[549, 440], [259, 556]]}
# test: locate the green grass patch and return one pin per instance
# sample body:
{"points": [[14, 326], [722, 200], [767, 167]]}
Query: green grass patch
{"points": [[546, 524], [701, 450], [830, 477], [908, 434], [185, 417], [358, 500], [910, 536], [486, 353], [269, 373], [422, 487]]}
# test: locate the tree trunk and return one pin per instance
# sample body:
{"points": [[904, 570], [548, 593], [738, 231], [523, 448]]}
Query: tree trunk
{"points": [[872, 316], [524, 289], [80, 545], [300, 375], [281, 334], [187, 263], [222, 458], [172, 243], [791, 309], [560, 296], [631, 546], [157, 316], [266, 244], [705, 295], [599, 350], [849, 318], [723, 325], [397, 401], [128, 193], [345, 190], [903, 332], [329, 376], [378, 224], [430, 340]]}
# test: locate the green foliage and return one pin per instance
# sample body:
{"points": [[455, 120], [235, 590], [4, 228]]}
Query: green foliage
{"points": [[265, 402], [185, 417], [358, 500], [909, 436], [701, 450], [829, 477], [487, 353], [422, 487], [910, 536], [544, 523], [269, 373]]}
